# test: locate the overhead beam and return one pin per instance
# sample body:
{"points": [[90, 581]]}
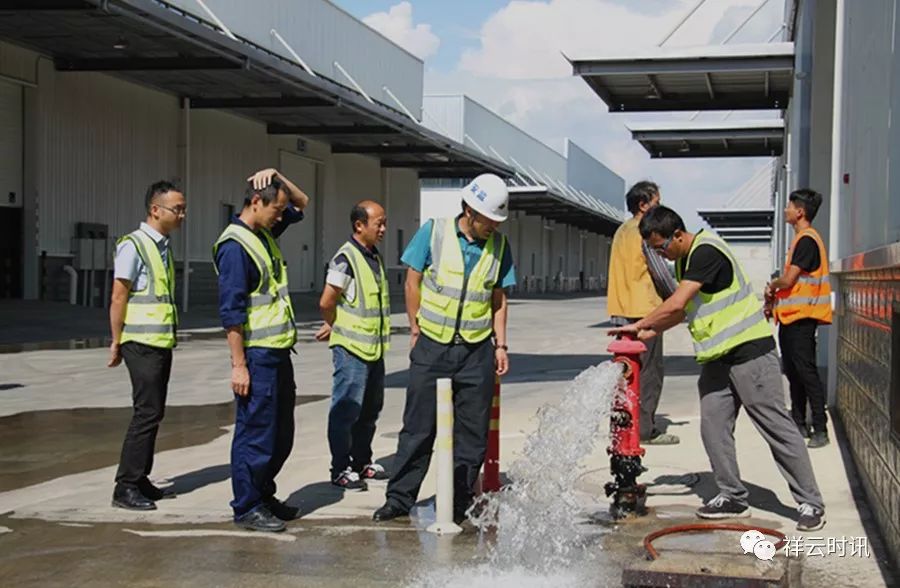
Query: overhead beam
{"points": [[707, 134], [778, 63], [700, 150], [43, 5], [147, 64], [431, 165], [388, 149], [331, 130], [260, 102], [698, 102]]}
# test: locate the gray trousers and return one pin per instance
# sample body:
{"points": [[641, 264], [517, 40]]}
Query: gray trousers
{"points": [[651, 380], [756, 385], [651, 386]]}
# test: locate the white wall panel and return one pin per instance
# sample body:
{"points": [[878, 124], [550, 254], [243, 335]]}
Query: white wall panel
{"points": [[445, 114], [321, 33], [356, 177], [11, 145], [102, 141], [402, 204], [869, 94], [588, 174], [225, 150]]}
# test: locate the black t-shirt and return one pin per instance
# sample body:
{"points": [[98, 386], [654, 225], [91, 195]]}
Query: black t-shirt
{"points": [[806, 255], [710, 267]]}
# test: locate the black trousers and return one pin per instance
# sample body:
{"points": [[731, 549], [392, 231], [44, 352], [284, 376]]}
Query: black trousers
{"points": [[149, 368], [798, 352], [472, 369]]}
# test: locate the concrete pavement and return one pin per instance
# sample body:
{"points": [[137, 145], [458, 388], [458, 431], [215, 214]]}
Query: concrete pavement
{"points": [[63, 414]]}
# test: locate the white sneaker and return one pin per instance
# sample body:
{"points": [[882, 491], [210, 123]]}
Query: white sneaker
{"points": [[349, 480]]}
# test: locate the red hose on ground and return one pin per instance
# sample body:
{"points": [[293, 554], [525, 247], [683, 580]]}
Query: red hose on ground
{"points": [[702, 528]]}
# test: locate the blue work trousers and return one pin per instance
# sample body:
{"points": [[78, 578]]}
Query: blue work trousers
{"points": [[356, 399], [264, 428]]}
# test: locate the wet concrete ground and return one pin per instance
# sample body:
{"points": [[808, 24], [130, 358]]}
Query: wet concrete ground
{"points": [[83, 439], [63, 413]]}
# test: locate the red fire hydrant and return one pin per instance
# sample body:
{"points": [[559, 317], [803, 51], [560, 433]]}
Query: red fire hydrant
{"points": [[625, 449]]}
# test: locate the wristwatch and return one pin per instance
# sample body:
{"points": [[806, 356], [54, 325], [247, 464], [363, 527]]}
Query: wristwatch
{"points": [[503, 347]]}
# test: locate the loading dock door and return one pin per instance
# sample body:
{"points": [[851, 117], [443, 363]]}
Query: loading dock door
{"points": [[298, 242], [11, 235]]}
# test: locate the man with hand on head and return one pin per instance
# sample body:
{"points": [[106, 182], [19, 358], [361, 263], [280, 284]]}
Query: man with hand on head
{"points": [[356, 307], [255, 309]]}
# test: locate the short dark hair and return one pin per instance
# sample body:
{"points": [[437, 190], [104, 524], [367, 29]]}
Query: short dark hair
{"points": [[268, 195], [158, 189], [358, 213], [808, 200], [661, 220], [641, 193]]}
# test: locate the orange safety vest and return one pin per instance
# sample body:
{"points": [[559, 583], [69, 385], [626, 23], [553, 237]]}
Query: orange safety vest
{"points": [[811, 295]]}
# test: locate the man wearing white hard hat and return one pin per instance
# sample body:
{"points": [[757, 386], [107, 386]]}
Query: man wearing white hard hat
{"points": [[456, 302]]}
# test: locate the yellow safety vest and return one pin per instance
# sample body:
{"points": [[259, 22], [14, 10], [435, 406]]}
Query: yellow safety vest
{"points": [[362, 326], [270, 316], [811, 295], [451, 301], [151, 316], [720, 322]]}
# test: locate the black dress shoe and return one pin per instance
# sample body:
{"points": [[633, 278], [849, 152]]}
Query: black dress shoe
{"points": [[389, 512], [260, 519], [281, 510], [131, 498], [154, 493]]}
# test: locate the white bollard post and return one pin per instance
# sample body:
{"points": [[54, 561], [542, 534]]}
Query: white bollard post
{"points": [[443, 522]]}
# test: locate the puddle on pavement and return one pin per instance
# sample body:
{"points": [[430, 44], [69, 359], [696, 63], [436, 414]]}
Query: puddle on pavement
{"points": [[43, 445], [36, 552], [305, 334]]}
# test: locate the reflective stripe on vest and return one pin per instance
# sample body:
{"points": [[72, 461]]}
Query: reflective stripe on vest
{"points": [[451, 301], [150, 315], [362, 326], [810, 297], [720, 322], [270, 315]]}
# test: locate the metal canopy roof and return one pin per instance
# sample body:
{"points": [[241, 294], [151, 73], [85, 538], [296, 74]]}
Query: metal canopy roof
{"points": [[551, 204], [174, 52], [727, 138], [722, 77], [740, 224]]}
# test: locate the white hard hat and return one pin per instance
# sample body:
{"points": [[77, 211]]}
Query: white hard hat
{"points": [[487, 194]]}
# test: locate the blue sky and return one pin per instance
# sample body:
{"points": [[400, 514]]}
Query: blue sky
{"points": [[506, 55], [456, 22]]}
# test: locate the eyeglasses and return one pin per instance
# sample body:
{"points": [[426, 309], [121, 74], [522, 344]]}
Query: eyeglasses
{"points": [[177, 211], [665, 245]]}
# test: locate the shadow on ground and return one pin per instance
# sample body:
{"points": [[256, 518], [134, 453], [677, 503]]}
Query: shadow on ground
{"points": [[48, 444]]}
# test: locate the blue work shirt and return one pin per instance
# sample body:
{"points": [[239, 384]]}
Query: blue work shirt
{"points": [[418, 254], [238, 274]]}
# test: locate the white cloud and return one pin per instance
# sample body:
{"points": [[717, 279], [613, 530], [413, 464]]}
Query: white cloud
{"points": [[397, 25], [519, 72]]}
